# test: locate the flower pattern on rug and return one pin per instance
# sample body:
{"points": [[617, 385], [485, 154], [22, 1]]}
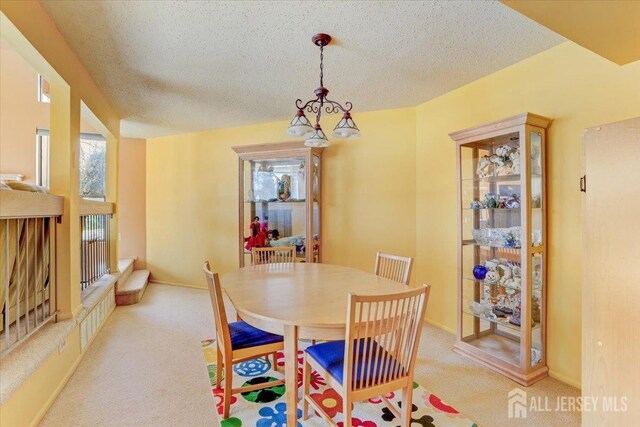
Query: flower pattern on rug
{"points": [[251, 368], [378, 400], [437, 403], [218, 397], [280, 357], [231, 422], [357, 422], [424, 420], [264, 395], [316, 379], [275, 417], [267, 407], [329, 400]]}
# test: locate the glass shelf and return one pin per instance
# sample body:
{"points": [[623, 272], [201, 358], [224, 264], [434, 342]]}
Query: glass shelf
{"points": [[497, 285], [275, 201], [497, 178], [501, 321], [493, 209], [474, 243]]}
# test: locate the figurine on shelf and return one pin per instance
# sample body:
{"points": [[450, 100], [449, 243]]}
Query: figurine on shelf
{"points": [[480, 308], [512, 202], [501, 166], [257, 237], [514, 319], [491, 201], [505, 274], [515, 161], [505, 161], [492, 277], [476, 204], [485, 167]]}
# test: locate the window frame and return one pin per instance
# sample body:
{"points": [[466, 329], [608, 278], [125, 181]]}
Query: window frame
{"points": [[43, 158]]}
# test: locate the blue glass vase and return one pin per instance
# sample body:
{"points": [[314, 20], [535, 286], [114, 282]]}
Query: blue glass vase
{"points": [[479, 272]]}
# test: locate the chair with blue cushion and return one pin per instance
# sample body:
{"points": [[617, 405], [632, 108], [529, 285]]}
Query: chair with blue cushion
{"points": [[384, 334], [237, 342]]}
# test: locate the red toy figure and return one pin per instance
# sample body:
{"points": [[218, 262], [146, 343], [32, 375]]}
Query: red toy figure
{"points": [[258, 236]]}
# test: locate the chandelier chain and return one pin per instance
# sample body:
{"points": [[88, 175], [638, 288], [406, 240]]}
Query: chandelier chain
{"points": [[321, 65]]}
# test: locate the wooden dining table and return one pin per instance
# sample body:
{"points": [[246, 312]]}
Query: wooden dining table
{"points": [[299, 301]]}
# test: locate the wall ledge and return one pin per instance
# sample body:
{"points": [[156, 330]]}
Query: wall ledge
{"points": [[18, 365]]}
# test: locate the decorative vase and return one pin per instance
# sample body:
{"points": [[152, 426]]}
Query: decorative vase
{"points": [[479, 272], [284, 188]]}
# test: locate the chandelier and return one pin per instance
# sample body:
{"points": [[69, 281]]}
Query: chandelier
{"points": [[314, 135]]}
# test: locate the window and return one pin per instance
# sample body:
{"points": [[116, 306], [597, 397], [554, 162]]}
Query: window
{"points": [[42, 157], [93, 163], [93, 166], [44, 90]]}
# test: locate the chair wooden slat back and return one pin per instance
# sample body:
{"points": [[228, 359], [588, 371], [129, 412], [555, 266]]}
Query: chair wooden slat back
{"points": [[393, 267], [223, 336], [273, 255], [385, 332]]}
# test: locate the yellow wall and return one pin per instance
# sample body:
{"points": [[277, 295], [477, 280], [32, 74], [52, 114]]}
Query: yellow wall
{"points": [[576, 88], [132, 201], [192, 195], [21, 114]]}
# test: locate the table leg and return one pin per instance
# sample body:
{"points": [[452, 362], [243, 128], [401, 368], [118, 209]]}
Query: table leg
{"points": [[291, 373]]}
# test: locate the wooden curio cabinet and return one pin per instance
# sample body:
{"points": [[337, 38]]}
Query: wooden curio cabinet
{"points": [[502, 245], [280, 184]]}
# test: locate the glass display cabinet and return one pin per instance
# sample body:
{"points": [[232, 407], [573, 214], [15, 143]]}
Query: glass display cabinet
{"points": [[502, 246], [279, 199]]}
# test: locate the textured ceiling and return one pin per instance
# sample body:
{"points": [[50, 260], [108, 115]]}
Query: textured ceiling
{"points": [[172, 67]]}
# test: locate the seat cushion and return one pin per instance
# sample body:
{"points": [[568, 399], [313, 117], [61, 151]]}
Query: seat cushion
{"points": [[330, 355], [243, 335]]}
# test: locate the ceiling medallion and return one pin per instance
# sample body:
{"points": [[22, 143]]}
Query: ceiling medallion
{"points": [[300, 125]]}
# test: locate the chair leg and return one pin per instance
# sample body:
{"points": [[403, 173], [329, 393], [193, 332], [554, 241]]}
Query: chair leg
{"points": [[219, 365], [407, 403], [346, 409], [306, 379], [228, 376], [274, 356]]}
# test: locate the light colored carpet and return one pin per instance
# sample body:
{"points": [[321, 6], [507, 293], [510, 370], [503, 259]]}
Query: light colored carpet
{"points": [[145, 368]]}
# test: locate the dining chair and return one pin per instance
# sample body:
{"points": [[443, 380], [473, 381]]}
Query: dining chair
{"points": [[237, 342], [393, 267], [273, 255], [384, 332]]}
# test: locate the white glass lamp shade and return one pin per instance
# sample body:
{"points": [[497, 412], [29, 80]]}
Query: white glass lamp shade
{"points": [[300, 125], [318, 139], [346, 128]]}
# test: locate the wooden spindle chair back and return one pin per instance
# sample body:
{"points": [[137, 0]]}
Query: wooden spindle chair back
{"points": [[385, 330], [273, 255], [226, 356], [223, 337], [393, 267]]}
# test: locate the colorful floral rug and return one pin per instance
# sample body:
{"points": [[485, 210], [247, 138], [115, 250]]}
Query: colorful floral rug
{"points": [[267, 407]]}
